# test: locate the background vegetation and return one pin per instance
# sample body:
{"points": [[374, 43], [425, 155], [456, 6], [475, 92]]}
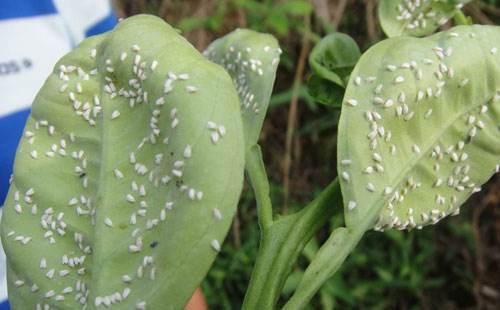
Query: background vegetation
{"points": [[452, 265]]}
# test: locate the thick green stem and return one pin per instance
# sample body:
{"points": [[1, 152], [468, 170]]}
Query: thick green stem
{"points": [[282, 243], [330, 257], [258, 178], [327, 261]]}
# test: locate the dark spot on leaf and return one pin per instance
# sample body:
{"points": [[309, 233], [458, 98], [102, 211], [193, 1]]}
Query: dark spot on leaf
{"points": [[153, 244], [27, 63]]}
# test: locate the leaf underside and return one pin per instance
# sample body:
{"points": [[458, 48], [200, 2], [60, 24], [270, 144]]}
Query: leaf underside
{"points": [[416, 17], [421, 133], [127, 177], [251, 59]]}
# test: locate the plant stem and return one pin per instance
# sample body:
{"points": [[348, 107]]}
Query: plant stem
{"points": [[258, 178], [329, 258], [282, 243], [327, 261]]}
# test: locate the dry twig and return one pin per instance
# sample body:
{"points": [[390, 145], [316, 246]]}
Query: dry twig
{"points": [[292, 113]]}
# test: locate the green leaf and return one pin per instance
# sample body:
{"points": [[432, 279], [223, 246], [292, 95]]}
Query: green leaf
{"points": [[251, 58], [279, 22], [285, 97], [332, 61], [416, 17], [127, 177], [325, 91], [295, 7], [191, 23], [334, 57], [421, 133]]}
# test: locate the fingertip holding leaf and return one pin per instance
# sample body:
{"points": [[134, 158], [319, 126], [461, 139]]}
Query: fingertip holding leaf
{"points": [[127, 176], [251, 59], [422, 133], [416, 17]]}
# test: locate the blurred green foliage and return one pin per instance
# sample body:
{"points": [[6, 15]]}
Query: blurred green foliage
{"points": [[264, 16]]}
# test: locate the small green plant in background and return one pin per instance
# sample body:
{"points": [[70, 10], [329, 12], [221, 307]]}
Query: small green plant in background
{"points": [[332, 61], [133, 158]]}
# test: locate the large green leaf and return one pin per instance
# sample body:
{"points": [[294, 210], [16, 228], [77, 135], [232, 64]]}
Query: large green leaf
{"points": [[416, 17], [127, 177], [251, 58], [422, 132]]}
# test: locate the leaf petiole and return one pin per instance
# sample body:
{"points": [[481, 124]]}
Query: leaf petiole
{"points": [[256, 171]]}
